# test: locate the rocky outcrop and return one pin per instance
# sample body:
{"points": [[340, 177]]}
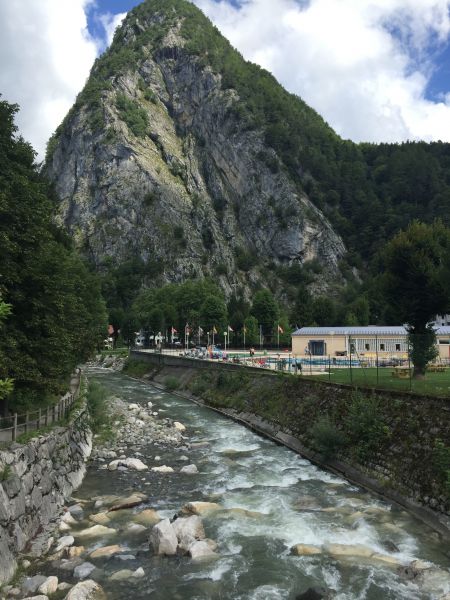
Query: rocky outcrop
{"points": [[37, 478], [162, 165]]}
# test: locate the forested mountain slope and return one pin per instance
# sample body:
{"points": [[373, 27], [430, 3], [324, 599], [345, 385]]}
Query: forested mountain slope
{"points": [[180, 159]]}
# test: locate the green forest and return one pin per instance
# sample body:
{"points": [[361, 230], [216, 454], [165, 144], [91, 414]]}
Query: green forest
{"points": [[52, 313], [368, 191]]}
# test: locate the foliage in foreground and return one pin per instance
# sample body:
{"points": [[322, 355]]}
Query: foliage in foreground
{"points": [[99, 413], [58, 316]]}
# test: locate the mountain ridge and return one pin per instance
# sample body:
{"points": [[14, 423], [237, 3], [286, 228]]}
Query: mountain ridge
{"points": [[219, 171]]}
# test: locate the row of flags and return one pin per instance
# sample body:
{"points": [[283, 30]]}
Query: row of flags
{"points": [[188, 329]]}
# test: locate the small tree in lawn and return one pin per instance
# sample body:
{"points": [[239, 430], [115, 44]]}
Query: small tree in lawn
{"points": [[416, 284]]}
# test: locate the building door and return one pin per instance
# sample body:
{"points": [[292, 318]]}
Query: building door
{"points": [[317, 347]]}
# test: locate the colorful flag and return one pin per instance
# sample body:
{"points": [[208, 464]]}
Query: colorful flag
{"points": [[230, 328], [244, 329], [174, 330], [214, 330], [280, 329]]}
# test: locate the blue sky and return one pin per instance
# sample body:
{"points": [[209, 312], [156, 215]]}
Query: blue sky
{"points": [[376, 70]]}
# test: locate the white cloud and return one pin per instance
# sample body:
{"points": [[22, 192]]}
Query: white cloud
{"points": [[342, 58], [110, 23], [46, 53]]}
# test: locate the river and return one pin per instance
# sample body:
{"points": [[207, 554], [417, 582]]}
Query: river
{"points": [[298, 502]]}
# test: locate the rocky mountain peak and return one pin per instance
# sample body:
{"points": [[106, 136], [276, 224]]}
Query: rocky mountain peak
{"points": [[165, 158]]}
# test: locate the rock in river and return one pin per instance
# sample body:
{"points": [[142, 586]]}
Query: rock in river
{"points": [[188, 530], [163, 538], [198, 508], [83, 570], [96, 531], [201, 550], [189, 469], [130, 463], [86, 590]]}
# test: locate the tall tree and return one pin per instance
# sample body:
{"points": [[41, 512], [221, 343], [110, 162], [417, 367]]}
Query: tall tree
{"points": [[265, 310], [416, 284], [58, 316]]}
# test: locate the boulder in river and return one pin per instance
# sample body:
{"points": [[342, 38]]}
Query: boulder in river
{"points": [[65, 542], [95, 531], [106, 551], [188, 530], [162, 469], [75, 551], [99, 518], [199, 508], [49, 586], [147, 517], [386, 559], [128, 502], [86, 590], [305, 550], [358, 550], [189, 469], [83, 570], [31, 584], [130, 463], [179, 426], [163, 538], [201, 550]]}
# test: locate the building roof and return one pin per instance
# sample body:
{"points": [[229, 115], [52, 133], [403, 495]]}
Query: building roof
{"points": [[369, 330]]}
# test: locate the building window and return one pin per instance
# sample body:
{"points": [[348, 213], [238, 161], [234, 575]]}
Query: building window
{"points": [[397, 347], [382, 346], [367, 346]]}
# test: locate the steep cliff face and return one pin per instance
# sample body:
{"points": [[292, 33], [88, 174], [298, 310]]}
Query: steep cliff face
{"points": [[159, 160]]}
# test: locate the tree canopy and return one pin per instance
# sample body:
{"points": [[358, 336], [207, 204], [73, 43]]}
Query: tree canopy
{"points": [[416, 283], [57, 313]]}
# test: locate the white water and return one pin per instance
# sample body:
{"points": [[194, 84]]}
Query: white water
{"points": [[239, 469]]}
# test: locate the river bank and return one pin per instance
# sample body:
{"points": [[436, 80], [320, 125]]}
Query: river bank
{"points": [[396, 444], [280, 524]]}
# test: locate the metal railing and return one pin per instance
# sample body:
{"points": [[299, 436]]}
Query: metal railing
{"points": [[17, 424]]}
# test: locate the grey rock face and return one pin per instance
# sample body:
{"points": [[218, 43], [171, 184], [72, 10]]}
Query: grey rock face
{"points": [[198, 168]]}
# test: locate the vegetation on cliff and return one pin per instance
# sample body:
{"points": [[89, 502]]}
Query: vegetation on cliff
{"points": [[57, 313], [367, 191]]}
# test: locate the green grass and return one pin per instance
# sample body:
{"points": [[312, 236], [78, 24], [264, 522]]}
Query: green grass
{"points": [[435, 384], [117, 352], [137, 368]]}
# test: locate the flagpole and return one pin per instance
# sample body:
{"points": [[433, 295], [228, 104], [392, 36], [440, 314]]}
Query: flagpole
{"points": [[260, 337], [199, 335], [278, 335], [244, 338], [213, 334]]}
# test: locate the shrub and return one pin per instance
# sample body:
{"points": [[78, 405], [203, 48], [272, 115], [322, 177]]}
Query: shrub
{"points": [[97, 405], [136, 368], [172, 383], [133, 115], [365, 426], [326, 438], [442, 462]]}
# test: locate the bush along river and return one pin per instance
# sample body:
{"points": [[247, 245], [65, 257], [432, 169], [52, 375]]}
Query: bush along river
{"points": [[186, 504]]}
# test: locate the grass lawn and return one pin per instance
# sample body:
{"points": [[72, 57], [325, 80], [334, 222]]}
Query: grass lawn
{"points": [[436, 384]]}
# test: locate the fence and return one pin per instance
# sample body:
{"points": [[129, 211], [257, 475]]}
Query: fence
{"points": [[32, 420], [358, 372]]}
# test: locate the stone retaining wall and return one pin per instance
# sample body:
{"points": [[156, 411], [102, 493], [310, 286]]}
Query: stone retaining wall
{"points": [[35, 480]]}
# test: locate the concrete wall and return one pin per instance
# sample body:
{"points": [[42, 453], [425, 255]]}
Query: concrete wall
{"points": [[35, 480]]}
